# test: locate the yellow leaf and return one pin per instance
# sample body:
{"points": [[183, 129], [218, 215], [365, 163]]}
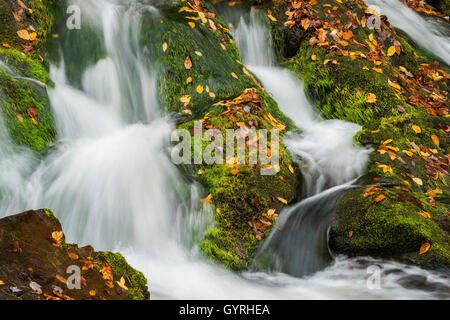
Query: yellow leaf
{"points": [[33, 36], [188, 80], [435, 140], [234, 75], [424, 248], [121, 284], [1, 283], [417, 181], [23, 34], [186, 99], [191, 24], [291, 169], [416, 129], [165, 46], [199, 89], [271, 17], [198, 53], [372, 98], [282, 200], [92, 293], [391, 51], [270, 212], [313, 57]]}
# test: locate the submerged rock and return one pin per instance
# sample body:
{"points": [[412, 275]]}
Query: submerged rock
{"points": [[37, 264]]}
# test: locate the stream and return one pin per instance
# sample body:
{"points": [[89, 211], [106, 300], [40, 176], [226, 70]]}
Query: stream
{"points": [[111, 183]]}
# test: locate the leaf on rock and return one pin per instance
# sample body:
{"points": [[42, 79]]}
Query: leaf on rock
{"points": [[424, 248]]}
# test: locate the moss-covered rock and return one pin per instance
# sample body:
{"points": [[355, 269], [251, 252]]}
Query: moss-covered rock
{"points": [[200, 66], [245, 200], [23, 75], [134, 279], [400, 100], [37, 264]]}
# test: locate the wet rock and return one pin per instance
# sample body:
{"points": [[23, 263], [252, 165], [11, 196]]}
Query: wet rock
{"points": [[37, 264]]}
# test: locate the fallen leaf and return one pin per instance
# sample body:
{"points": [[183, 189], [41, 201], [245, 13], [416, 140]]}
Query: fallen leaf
{"points": [[188, 63], [380, 198], [207, 199], [282, 200], [23, 34], [121, 283], [391, 51], [416, 129], [165, 45], [417, 181], [435, 140], [73, 256], [424, 248], [372, 98]]}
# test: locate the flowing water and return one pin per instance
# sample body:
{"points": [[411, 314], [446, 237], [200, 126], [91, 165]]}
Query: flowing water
{"points": [[431, 34], [110, 181]]}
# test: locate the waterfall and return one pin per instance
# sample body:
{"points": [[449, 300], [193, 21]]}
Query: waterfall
{"points": [[111, 184]]}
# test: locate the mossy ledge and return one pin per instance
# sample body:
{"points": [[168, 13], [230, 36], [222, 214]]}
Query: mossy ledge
{"points": [[24, 103], [404, 202], [192, 93], [37, 262]]}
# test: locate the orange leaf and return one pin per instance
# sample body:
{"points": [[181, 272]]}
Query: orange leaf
{"points": [[234, 172], [424, 248], [372, 98], [207, 199], [380, 198], [435, 140], [188, 63]]}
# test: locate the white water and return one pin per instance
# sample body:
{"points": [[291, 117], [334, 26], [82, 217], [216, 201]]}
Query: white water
{"points": [[426, 32], [112, 186]]}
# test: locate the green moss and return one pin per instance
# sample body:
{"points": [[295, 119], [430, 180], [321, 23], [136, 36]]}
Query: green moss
{"points": [[49, 213], [18, 94], [389, 229], [134, 280]]}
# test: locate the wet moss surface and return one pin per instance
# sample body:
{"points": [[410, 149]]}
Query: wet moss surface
{"points": [[23, 73], [408, 168]]}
